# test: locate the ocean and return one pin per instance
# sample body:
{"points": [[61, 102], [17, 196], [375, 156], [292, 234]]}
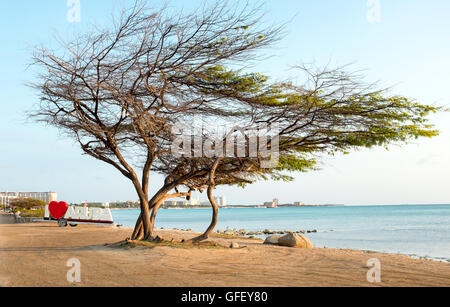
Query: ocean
{"points": [[414, 230]]}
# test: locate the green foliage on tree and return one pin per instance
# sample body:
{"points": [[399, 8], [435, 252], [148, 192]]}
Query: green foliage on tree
{"points": [[119, 92]]}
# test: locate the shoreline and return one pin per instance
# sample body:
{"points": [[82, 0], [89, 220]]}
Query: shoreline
{"points": [[7, 218], [412, 256], [36, 255], [236, 207], [407, 231]]}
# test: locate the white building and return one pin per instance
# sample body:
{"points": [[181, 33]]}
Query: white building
{"points": [[273, 204], [180, 203], [7, 197], [170, 203], [221, 201], [194, 202]]}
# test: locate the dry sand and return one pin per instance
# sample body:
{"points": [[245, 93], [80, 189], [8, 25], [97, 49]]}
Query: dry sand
{"points": [[36, 255]]}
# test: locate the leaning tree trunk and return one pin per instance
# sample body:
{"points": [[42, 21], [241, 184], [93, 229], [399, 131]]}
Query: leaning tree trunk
{"points": [[151, 234], [214, 220], [145, 209], [146, 222], [139, 233], [215, 207]]}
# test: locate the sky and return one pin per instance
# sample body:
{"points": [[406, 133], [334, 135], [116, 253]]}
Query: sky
{"points": [[403, 44]]}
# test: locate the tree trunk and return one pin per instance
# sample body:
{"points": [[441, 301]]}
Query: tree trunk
{"points": [[214, 220], [139, 233], [215, 217], [151, 234], [145, 219]]}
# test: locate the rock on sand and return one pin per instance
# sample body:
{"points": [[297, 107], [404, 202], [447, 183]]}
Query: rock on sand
{"points": [[272, 240], [295, 240]]}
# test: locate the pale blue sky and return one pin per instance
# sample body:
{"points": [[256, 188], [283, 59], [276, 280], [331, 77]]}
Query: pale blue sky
{"points": [[408, 49]]}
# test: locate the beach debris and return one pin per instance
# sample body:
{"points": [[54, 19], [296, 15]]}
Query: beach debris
{"points": [[229, 232], [295, 240], [272, 240], [158, 239], [234, 245]]}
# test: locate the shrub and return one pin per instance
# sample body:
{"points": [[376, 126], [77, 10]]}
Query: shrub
{"points": [[21, 204]]}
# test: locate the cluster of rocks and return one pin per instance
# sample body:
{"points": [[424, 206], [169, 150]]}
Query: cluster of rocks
{"points": [[243, 232], [289, 240]]}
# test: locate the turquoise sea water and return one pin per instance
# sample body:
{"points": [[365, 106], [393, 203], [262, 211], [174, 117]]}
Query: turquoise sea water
{"points": [[416, 230]]}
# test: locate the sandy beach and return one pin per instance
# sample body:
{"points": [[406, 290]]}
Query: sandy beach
{"points": [[37, 254]]}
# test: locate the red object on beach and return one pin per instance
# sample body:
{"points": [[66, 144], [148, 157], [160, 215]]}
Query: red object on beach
{"points": [[58, 209]]}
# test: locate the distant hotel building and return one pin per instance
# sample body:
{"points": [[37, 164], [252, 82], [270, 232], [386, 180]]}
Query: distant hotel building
{"points": [[183, 203], [194, 202], [273, 204], [221, 201], [174, 203], [7, 197]]}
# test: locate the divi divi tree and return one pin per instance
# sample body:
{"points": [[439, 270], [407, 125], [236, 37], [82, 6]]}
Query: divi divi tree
{"points": [[120, 92]]}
